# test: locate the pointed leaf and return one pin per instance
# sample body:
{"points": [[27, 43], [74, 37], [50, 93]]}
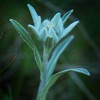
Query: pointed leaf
{"points": [[38, 22], [66, 16], [53, 34], [60, 25], [44, 23], [33, 13], [35, 31], [68, 29], [54, 78], [36, 19], [56, 52], [56, 18], [43, 34], [26, 37]]}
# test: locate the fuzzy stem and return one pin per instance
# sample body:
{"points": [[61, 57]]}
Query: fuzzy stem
{"points": [[40, 91], [43, 81]]}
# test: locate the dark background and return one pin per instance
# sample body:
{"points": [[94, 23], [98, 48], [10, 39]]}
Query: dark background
{"points": [[19, 75]]}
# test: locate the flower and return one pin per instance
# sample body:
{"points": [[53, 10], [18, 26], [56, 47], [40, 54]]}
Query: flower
{"points": [[53, 28], [53, 34]]}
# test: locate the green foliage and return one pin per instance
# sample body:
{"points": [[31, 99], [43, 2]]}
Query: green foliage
{"points": [[57, 51], [66, 16], [25, 36], [49, 32], [54, 78]]}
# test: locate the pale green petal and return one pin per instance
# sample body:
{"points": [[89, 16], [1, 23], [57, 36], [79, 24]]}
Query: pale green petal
{"points": [[66, 16], [43, 34], [53, 34], [35, 31], [60, 26], [36, 19], [38, 23], [56, 18], [68, 29]]}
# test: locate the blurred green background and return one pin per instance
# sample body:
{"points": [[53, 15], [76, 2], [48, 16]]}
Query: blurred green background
{"points": [[19, 76]]}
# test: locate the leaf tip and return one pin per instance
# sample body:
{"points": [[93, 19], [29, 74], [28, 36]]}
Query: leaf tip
{"points": [[85, 71], [10, 20], [71, 10], [28, 5], [29, 25], [76, 22], [88, 73]]}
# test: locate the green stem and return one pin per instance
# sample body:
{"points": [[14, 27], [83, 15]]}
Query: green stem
{"points": [[40, 91], [43, 81]]}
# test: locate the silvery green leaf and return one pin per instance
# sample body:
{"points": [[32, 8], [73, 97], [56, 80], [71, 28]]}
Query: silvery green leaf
{"points": [[35, 17], [53, 34], [56, 18], [33, 13], [45, 22], [38, 23], [56, 52], [26, 37], [35, 31], [68, 29], [66, 16], [43, 34], [60, 25], [54, 78]]}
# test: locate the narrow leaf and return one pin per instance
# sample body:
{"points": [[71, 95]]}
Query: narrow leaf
{"points": [[54, 78], [43, 34], [60, 25], [56, 52], [36, 19], [57, 75], [53, 34], [68, 29], [56, 18], [35, 31], [66, 16], [33, 13], [26, 37]]}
